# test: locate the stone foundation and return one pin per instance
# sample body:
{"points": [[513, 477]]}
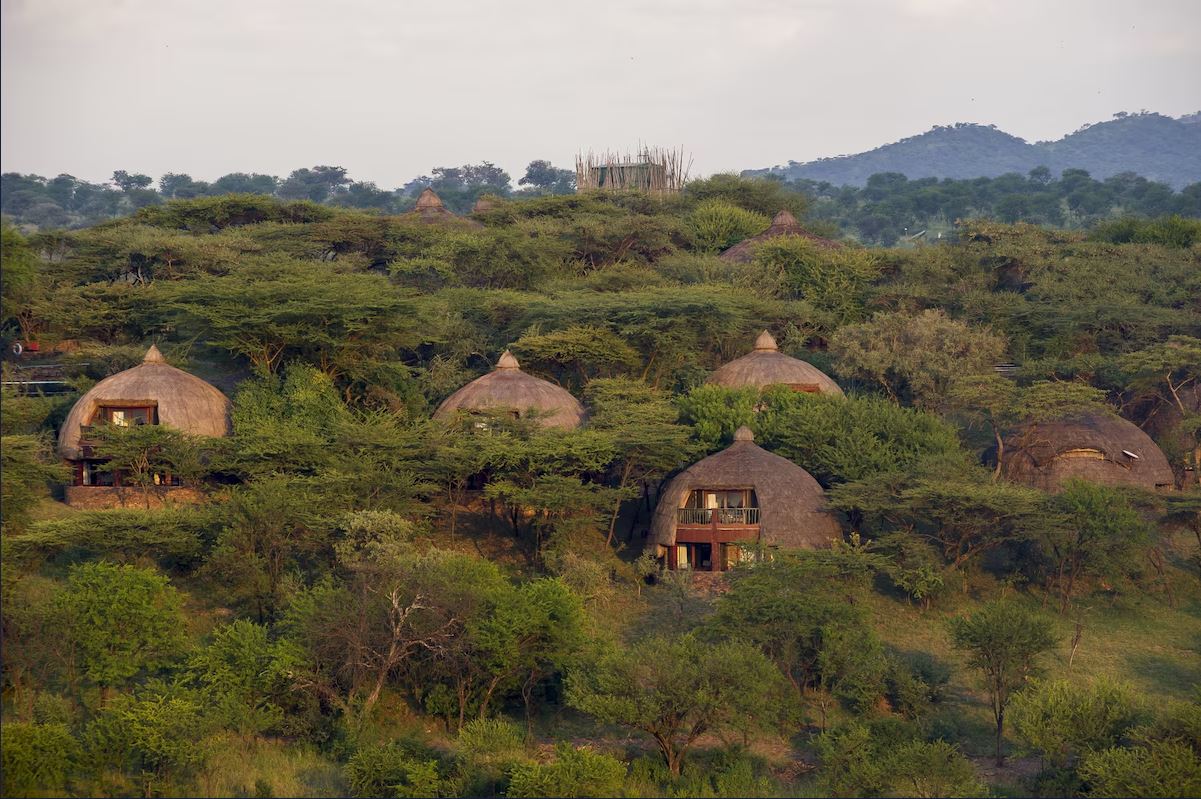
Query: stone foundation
{"points": [[100, 497]]}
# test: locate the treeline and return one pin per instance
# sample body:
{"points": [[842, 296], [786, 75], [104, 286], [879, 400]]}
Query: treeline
{"points": [[67, 202], [376, 603], [891, 207]]}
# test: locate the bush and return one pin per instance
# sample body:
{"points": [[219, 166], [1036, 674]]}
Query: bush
{"points": [[1162, 768], [394, 770], [573, 772], [37, 759], [717, 224], [1062, 720]]}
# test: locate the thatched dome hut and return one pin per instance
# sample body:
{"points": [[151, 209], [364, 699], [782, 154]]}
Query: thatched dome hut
{"points": [[430, 210], [767, 366], [741, 495], [1097, 447], [783, 224], [507, 389], [153, 392]]}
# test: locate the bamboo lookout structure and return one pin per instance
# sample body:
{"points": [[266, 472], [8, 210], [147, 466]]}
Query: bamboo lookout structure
{"points": [[651, 169]]}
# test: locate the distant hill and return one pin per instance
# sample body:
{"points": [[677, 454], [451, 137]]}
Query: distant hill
{"points": [[1154, 146]]}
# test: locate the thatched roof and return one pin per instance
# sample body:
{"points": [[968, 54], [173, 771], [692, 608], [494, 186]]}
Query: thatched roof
{"points": [[793, 510], [784, 224], [431, 211], [485, 202], [508, 389], [767, 366], [184, 401], [1095, 447]]}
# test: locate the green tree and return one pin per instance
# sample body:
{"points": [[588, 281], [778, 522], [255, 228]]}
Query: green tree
{"points": [[1095, 533], [120, 622], [1062, 720], [146, 456], [573, 773], [915, 357], [718, 224], [1158, 769], [38, 759], [677, 689], [643, 423], [1002, 641]]}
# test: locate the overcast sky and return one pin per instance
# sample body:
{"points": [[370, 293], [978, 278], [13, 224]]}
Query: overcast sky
{"points": [[391, 88]]}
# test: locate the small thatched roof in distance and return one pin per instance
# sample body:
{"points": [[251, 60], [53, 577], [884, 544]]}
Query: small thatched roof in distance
{"points": [[793, 509], [1097, 447], [430, 210], [485, 202], [767, 366], [508, 389], [784, 224], [184, 401]]}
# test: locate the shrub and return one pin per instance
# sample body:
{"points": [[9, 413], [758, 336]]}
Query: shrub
{"points": [[394, 769], [718, 224], [1162, 768], [573, 772], [37, 759], [1062, 720]]}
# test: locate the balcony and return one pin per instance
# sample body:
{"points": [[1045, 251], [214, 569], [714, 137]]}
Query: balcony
{"points": [[722, 517]]}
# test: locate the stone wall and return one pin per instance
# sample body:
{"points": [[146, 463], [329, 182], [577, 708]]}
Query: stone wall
{"points": [[100, 497]]}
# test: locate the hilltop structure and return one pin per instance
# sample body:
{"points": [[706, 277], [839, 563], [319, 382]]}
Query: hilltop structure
{"points": [[153, 392], [782, 224], [508, 390], [1096, 447], [651, 169], [430, 210], [743, 497], [767, 366]]}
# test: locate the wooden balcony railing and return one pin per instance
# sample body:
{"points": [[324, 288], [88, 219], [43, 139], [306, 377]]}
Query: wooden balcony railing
{"points": [[707, 516]]}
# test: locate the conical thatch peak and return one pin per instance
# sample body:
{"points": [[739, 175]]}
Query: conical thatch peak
{"points": [[744, 434], [485, 202], [153, 356], [766, 343], [785, 219], [508, 361], [428, 199]]}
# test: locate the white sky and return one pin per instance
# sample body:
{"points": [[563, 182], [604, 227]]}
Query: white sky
{"points": [[392, 88]]}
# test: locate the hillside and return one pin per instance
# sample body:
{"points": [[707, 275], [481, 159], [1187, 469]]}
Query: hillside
{"points": [[1151, 145], [559, 499]]}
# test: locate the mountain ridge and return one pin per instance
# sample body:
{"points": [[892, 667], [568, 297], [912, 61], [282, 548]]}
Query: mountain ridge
{"points": [[1152, 145]]}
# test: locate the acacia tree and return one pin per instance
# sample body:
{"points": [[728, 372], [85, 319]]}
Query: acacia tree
{"points": [[147, 455], [676, 690], [642, 420], [1002, 403], [1166, 370], [1002, 641], [1094, 532], [120, 622], [914, 357]]}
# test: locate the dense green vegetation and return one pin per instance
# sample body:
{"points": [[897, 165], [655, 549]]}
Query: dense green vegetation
{"points": [[374, 603]]}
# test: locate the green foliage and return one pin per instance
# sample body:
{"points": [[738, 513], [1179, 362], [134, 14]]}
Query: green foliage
{"points": [[886, 759], [844, 439], [120, 622], [1062, 720], [674, 689], [765, 197], [716, 412], [1167, 231], [832, 281], [580, 352], [573, 773], [173, 537], [26, 467], [1003, 641], [241, 676], [396, 769], [914, 357], [38, 759], [718, 224], [1161, 768]]}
